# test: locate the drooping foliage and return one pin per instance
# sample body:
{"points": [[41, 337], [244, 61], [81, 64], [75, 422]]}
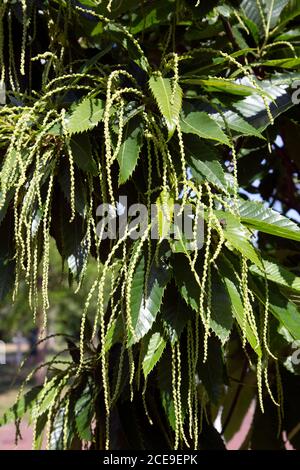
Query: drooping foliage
{"points": [[185, 102]]}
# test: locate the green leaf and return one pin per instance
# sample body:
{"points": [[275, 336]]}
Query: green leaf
{"points": [[202, 125], [286, 63], [41, 424], [237, 306], [253, 108], [268, 8], [57, 431], [165, 387], [46, 397], [82, 117], [289, 35], [130, 149], [165, 212], [203, 160], [174, 315], [153, 353], [24, 404], [162, 91], [258, 217], [221, 85], [186, 282], [85, 115], [144, 308], [285, 311], [278, 274], [82, 153], [150, 16], [238, 312], [274, 9], [7, 275], [8, 199], [114, 334], [118, 34], [236, 123], [290, 11], [221, 309], [84, 411], [238, 236], [60, 425], [211, 373]]}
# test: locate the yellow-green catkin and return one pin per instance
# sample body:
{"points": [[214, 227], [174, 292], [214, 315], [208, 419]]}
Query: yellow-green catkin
{"points": [[234, 163], [34, 427], [130, 330], [120, 130], [235, 179], [35, 281], [2, 62], [100, 310], [197, 428], [221, 241], [53, 407], [19, 244], [106, 120], [131, 371], [88, 237], [196, 222], [71, 163], [266, 319], [262, 16], [24, 36], [100, 315], [175, 78], [12, 73], [83, 323], [279, 398], [259, 383], [66, 423], [174, 390], [205, 272], [241, 21], [149, 187], [191, 385], [183, 164], [160, 146], [119, 376], [46, 251], [157, 160], [248, 315], [145, 404], [266, 378], [104, 366], [179, 381], [280, 43]]}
